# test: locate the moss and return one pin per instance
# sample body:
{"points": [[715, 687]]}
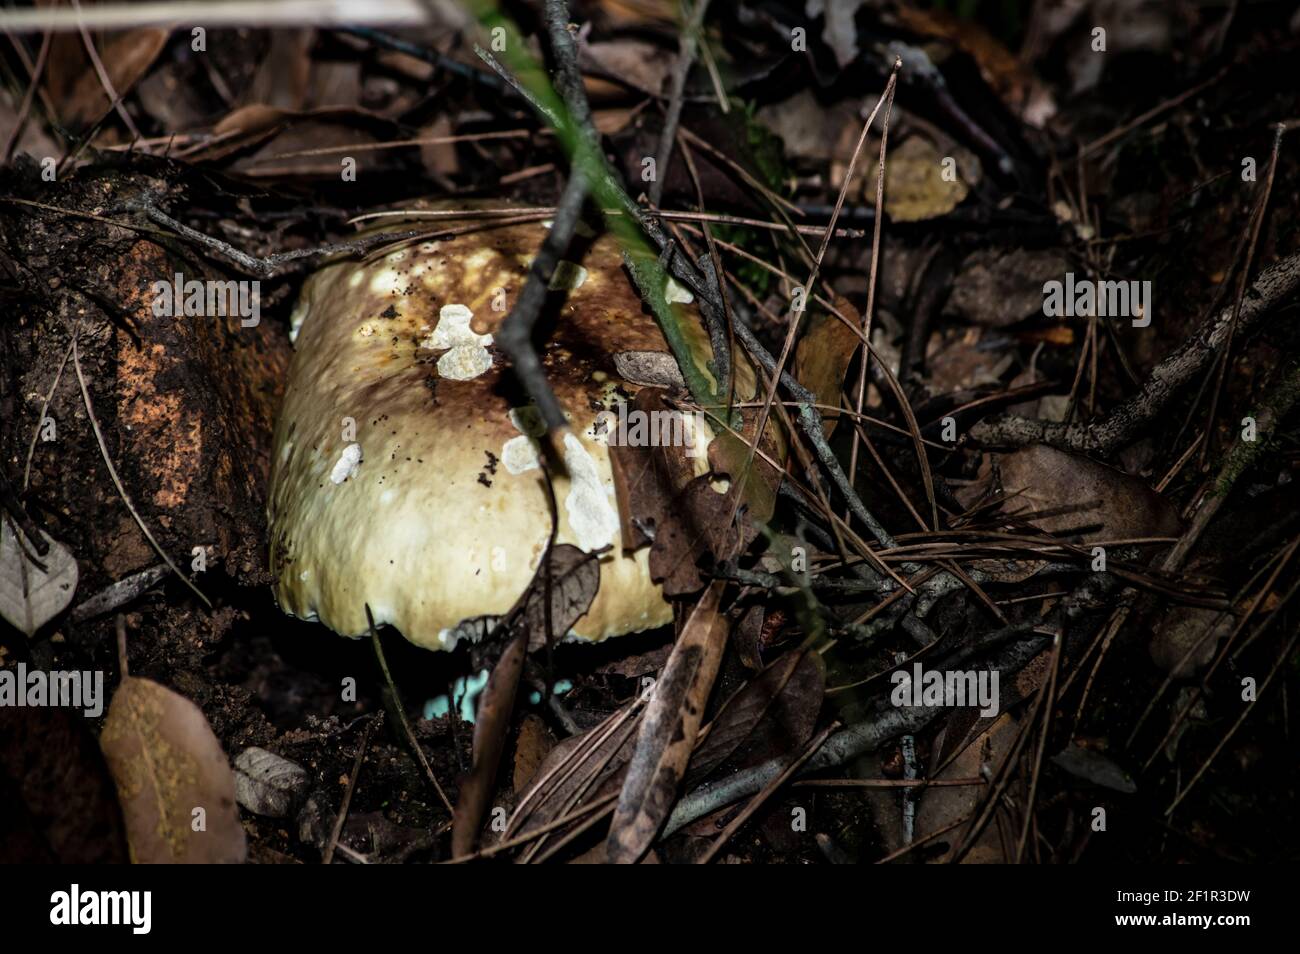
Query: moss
{"points": [[1269, 415]]}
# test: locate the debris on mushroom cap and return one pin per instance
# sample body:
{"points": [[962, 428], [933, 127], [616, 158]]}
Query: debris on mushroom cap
{"points": [[406, 460]]}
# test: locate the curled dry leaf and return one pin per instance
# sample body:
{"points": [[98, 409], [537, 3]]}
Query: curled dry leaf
{"points": [[126, 59], [773, 714], [649, 369], [670, 500], [571, 577], [175, 786], [574, 580], [1080, 497], [668, 730], [1023, 93], [496, 703], [946, 805], [34, 588], [696, 531], [268, 784], [823, 357]]}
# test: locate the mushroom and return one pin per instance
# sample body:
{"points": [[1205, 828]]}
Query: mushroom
{"points": [[406, 462]]}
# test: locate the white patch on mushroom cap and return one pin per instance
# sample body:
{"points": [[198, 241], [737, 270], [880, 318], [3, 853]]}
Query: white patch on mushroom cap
{"points": [[477, 260], [520, 454], [385, 282], [675, 292], [591, 515], [567, 276], [464, 362], [453, 330], [347, 464]]}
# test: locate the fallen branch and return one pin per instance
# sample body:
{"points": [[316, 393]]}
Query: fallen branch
{"points": [[268, 266], [888, 722], [1273, 286]]}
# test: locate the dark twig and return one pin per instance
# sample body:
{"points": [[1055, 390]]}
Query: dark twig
{"points": [[1225, 355], [889, 722], [342, 816], [272, 263], [400, 711], [33, 84], [1273, 287], [515, 336], [685, 59]]}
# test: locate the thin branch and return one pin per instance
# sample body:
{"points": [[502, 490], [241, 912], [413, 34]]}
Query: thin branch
{"points": [[33, 84], [1225, 355], [342, 816], [515, 336], [268, 266], [411, 740], [1274, 286], [685, 59]]}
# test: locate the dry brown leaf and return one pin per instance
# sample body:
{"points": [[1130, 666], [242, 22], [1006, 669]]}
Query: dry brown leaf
{"points": [[668, 730], [253, 124], [998, 287], [943, 806], [649, 369], [126, 59], [823, 357], [642, 66], [490, 728], [694, 532], [956, 361], [574, 581], [174, 783], [570, 578], [773, 714], [535, 742], [1021, 90], [572, 773], [662, 501], [1096, 502]]}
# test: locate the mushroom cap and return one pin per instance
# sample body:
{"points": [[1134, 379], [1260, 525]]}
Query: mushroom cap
{"points": [[405, 470]]}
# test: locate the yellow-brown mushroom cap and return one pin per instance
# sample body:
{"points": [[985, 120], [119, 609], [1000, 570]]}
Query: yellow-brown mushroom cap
{"points": [[406, 470]]}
